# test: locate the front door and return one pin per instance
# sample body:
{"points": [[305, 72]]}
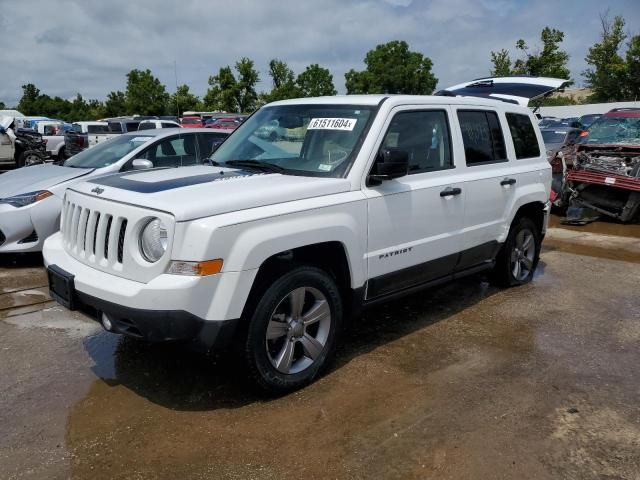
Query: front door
{"points": [[415, 221]]}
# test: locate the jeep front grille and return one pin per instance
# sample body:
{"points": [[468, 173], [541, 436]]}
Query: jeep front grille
{"points": [[92, 234], [103, 234]]}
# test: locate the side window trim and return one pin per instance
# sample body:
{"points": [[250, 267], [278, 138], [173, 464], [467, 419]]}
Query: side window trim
{"points": [[485, 111]]}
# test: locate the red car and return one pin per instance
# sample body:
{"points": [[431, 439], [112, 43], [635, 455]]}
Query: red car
{"points": [[224, 123], [191, 122], [605, 176]]}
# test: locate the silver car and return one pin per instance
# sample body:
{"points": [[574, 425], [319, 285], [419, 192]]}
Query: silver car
{"points": [[31, 197]]}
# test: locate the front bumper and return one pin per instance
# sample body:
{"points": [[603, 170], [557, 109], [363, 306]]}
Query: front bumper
{"points": [[158, 325], [169, 307], [25, 229]]}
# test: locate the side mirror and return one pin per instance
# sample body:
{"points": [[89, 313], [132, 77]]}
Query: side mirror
{"points": [[141, 164], [390, 164]]}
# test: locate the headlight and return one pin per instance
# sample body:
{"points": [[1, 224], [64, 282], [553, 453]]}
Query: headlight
{"points": [[153, 240], [25, 199]]}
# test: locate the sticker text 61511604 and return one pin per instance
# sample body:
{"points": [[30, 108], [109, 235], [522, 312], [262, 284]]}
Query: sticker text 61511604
{"points": [[332, 124]]}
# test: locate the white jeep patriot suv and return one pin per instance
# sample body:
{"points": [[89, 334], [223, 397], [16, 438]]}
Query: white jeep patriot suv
{"points": [[277, 242]]}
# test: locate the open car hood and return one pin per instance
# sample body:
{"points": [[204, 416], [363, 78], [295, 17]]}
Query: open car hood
{"points": [[515, 89]]}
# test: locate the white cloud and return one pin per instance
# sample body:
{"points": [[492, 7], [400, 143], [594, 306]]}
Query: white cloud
{"points": [[88, 46]]}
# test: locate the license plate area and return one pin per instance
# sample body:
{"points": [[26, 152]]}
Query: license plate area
{"points": [[61, 286]]}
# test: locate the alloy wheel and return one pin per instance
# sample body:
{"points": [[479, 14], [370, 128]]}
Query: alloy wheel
{"points": [[523, 254], [298, 330]]}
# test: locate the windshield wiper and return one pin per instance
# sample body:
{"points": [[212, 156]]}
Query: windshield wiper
{"points": [[255, 164]]}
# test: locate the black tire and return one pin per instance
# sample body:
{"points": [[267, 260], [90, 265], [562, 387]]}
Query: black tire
{"points": [[504, 273], [259, 358], [29, 157], [61, 156]]}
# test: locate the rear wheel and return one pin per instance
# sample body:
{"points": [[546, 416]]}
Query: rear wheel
{"points": [[518, 258], [293, 330]]}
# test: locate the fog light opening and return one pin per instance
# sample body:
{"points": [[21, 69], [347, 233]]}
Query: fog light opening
{"points": [[106, 323]]}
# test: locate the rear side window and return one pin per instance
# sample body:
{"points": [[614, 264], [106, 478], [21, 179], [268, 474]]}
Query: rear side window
{"points": [[424, 135], [132, 127], [523, 135], [482, 137], [147, 126], [97, 129], [115, 127]]}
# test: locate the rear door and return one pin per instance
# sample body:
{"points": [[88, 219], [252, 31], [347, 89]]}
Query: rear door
{"points": [[521, 90], [488, 183], [415, 221]]}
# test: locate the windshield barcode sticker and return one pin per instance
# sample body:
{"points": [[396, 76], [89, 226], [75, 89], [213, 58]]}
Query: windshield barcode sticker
{"points": [[332, 124]]}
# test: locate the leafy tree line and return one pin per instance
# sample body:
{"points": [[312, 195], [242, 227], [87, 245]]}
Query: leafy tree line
{"points": [[389, 68], [612, 75]]}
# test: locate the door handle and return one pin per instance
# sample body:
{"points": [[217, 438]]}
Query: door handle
{"points": [[450, 192], [508, 181]]}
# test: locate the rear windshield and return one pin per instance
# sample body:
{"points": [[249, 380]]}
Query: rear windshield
{"points": [[115, 127], [191, 120], [553, 136]]}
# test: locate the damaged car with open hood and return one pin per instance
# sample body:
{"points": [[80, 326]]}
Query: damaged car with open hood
{"points": [[605, 176]]}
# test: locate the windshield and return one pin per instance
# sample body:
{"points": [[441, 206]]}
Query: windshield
{"points": [[314, 140], [605, 130], [107, 153], [553, 136]]}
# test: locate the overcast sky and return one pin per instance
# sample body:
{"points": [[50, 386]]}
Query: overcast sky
{"points": [[87, 46]]}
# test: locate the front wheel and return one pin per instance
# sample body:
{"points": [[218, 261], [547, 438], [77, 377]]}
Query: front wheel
{"points": [[293, 330], [518, 258], [30, 157]]}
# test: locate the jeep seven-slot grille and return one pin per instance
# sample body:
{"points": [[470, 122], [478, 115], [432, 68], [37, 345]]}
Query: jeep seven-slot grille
{"points": [[94, 235]]}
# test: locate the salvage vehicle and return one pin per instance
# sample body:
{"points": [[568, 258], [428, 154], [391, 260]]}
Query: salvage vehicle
{"points": [[53, 135], [605, 177], [24, 148], [83, 135], [31, 198], [278, 246]]}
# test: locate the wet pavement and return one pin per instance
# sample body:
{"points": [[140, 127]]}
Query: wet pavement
{"points": [[466, 381]]}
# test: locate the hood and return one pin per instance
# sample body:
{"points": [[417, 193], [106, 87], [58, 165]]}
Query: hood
{"points": [[5, 121], [37, 177], [515, 89], [202, 191]]}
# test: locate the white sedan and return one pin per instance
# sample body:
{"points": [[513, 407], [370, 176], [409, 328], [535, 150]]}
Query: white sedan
{"points": [[31, 197]]}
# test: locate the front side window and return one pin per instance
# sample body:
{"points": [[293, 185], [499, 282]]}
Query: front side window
{"points": [[523, 134], [312, 139], [172, 152], [424, 135], [482, 137]]}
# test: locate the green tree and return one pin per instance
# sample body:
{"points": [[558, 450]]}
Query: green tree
{"points": [[633, 68], [183, 100], [28, 104], [2, 106], [145, 94], [284, 83], [116, 104], [501, 64], [393, 68], [550, 61], [232, 94], [315, 81], [608, 71]]}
